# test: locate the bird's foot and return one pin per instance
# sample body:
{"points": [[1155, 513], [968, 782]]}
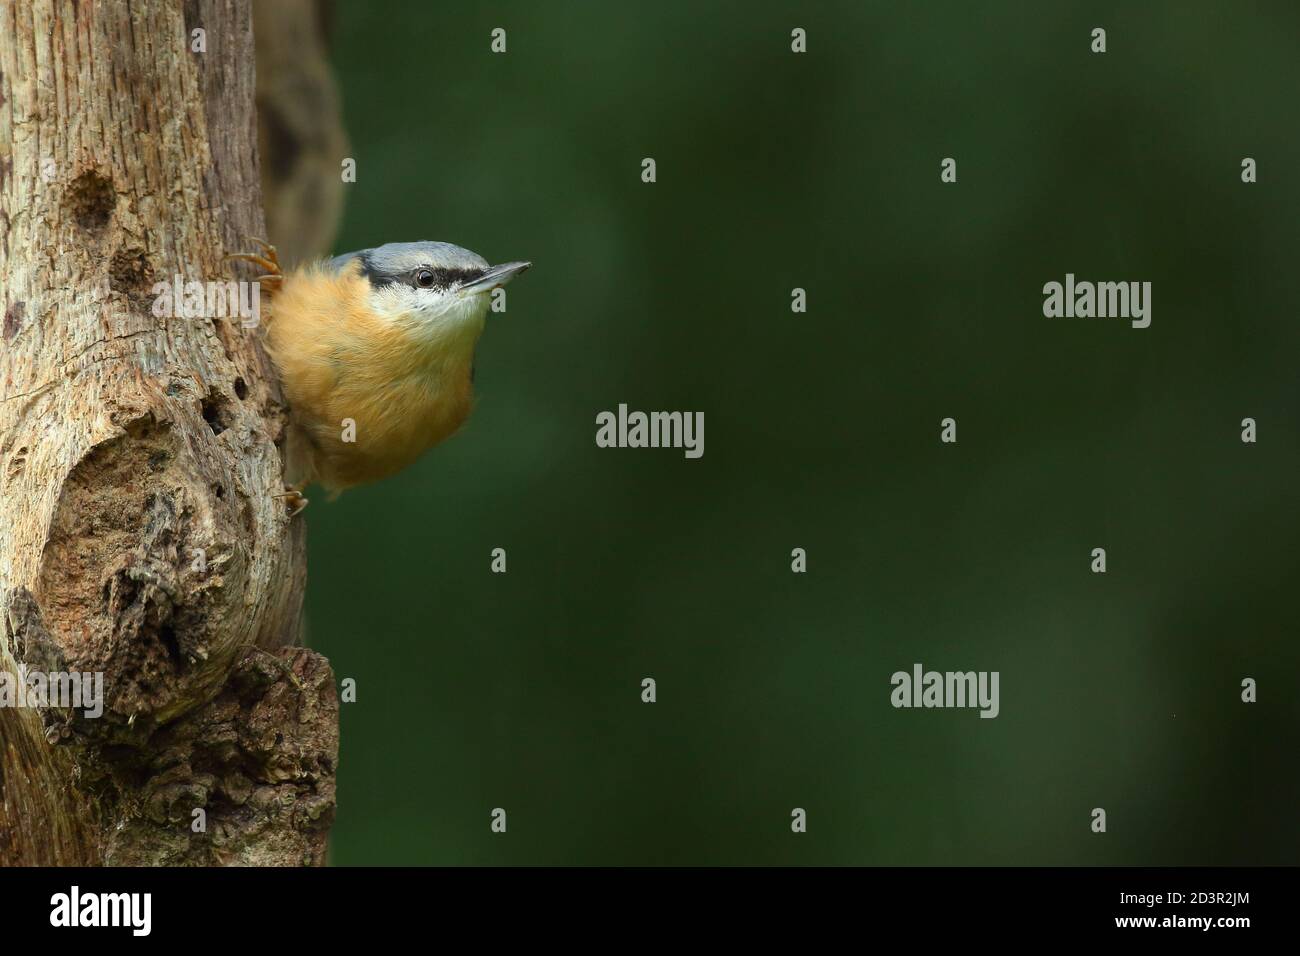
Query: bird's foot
{"points": [[268, 260], [294, 500]]}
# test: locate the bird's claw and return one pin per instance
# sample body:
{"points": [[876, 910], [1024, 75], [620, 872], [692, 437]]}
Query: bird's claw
{"points": [[295, 501], [268, 259]]}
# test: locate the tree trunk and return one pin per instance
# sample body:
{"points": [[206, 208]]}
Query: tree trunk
{"points": [[140, 535]]}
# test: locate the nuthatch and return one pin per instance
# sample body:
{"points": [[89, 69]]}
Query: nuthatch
{"points": [[383, 338]]}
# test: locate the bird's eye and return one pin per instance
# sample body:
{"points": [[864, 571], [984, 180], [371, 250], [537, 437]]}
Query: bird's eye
{"points": [[424, 278]]}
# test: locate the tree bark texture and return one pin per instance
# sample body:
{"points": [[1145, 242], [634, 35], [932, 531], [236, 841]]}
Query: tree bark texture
{"points": [[140, 535]]}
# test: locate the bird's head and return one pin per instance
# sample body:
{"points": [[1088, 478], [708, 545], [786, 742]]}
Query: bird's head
{"points": [[438, 290]]}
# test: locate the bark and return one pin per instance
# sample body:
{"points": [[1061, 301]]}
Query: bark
{"points": [[139, 532]]}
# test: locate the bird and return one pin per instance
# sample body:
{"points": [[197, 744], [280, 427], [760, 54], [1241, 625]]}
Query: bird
{"points": [[374, 350]]}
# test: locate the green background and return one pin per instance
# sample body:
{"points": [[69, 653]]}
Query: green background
{"points": [[775, 170]]}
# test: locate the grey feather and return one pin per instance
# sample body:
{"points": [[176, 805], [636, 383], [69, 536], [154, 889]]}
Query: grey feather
{"points": [[400, 261]]}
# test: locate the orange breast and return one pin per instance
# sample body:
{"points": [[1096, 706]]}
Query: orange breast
{"points": [[368, 395]]}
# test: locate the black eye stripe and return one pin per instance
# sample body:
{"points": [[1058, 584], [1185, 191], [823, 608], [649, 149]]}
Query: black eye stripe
{"points": [[443, 278]]}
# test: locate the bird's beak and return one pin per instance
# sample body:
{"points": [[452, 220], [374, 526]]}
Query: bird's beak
{"points": [[494, 278]]}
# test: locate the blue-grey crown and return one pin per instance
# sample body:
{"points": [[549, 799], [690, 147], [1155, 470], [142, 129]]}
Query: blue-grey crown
{"points": [[400, 262]]}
